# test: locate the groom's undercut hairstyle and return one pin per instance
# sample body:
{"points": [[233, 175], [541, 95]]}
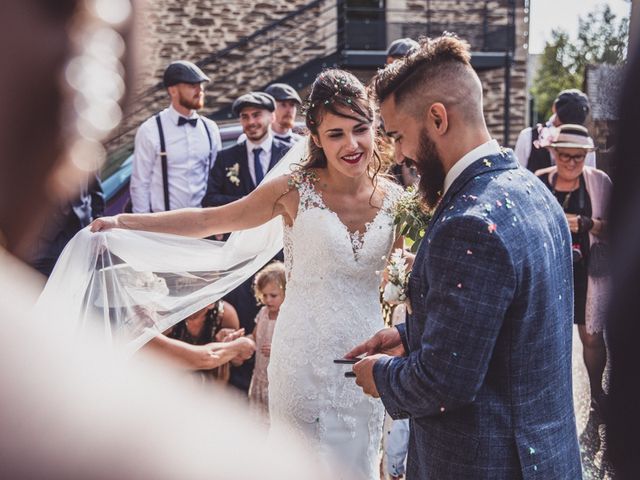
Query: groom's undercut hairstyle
{"points": [[438, 71]]}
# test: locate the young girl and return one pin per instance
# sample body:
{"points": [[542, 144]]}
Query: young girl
{"points": [[269, 288]]}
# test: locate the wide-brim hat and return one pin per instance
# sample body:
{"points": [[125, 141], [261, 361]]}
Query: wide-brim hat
{"points": [[182, 71], [572, 136], [253, 99]]}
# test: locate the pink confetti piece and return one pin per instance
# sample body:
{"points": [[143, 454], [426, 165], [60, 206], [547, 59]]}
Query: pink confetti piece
{"points": [[459, 285], [441, 409], [469, 252], [492, 228], [498, 203]]}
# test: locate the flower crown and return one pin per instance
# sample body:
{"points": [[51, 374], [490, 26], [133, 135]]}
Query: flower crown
{"points": [[340, 91]]}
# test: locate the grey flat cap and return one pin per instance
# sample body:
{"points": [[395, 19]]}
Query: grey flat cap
{"points": [[401, 47], [253, 99], [572, 106], [182, 71], [282, 91]]}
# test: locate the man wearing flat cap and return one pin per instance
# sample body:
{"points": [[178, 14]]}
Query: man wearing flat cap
{"points": [[175, 149], [287, 103], [239, 168], [237, 171], [570, 107]]}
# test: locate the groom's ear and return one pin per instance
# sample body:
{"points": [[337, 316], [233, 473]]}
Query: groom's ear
{"points": [[437, 116]]}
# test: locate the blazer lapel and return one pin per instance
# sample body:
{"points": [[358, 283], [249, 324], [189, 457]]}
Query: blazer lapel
{"points": [[243, 161], [502, 161]]}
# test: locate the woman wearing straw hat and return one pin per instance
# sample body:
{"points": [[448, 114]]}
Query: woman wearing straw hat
{"points": [[584, 193]]}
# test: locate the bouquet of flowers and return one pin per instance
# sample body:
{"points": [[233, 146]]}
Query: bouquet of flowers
{"points": [[412, 218], [395, 291]]}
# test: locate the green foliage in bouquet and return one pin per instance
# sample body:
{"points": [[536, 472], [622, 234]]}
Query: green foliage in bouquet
{"points": [[412, 218]]}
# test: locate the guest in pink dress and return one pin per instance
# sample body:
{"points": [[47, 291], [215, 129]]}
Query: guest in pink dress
{"points": [[269, 287]]}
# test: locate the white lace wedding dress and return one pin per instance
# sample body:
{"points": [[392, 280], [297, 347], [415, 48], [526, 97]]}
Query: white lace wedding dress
{"points": [[331, 304]]}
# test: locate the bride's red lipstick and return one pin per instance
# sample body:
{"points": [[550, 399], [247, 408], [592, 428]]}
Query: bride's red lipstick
{"points": [[353, 158]]}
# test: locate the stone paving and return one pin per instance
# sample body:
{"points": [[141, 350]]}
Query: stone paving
{"points": [[590, 428]]}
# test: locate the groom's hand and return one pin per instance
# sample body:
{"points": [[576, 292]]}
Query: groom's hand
{"points": [[386, 341], [364, 375]]}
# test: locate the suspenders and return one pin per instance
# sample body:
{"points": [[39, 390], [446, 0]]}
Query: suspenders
{"points": [[163, 159]]}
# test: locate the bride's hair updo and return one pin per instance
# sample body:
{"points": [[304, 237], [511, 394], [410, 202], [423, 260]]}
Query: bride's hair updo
{"points": [[342, 94]]}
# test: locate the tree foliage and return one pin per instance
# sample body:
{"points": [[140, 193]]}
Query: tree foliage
{"points": [[602, 38]]}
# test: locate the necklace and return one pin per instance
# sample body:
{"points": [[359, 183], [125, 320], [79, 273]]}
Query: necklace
{"points": [[567, 198]]}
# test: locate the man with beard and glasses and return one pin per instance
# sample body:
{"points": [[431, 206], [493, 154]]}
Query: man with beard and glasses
{"points": [[175, 149], [482, 366]]}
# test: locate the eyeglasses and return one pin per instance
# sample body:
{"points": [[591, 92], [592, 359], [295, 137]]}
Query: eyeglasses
{"points": [[566, 157]]}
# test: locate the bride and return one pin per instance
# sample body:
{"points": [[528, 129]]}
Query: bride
{"points": [[338, 229]]}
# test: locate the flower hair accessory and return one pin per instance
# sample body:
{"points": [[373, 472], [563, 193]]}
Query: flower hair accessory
{"points": [[546, 136], [339, 90]]}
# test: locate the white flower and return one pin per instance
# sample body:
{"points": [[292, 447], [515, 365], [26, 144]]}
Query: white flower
{"points": [[395, 291], [232, 174]]}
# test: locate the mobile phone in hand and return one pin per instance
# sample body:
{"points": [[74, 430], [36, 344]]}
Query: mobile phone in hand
{"points": [[346, 361]]}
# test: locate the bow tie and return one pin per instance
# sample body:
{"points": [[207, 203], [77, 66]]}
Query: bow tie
{"points": [[190, 121]]}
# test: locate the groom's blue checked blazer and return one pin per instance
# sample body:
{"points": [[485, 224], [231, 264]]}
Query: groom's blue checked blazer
{"points": [[487, 376]]}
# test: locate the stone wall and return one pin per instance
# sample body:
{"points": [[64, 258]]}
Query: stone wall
{"points": [[199, 29], [218, 33]]}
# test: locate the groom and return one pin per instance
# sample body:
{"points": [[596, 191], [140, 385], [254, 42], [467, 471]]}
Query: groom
{"points": [[482, 366]]}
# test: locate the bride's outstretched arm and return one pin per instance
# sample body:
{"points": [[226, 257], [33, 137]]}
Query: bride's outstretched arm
{"points": [[260, 206]]}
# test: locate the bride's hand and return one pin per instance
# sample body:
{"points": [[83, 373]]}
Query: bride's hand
{"points": [[105, 223], [386, 341]]}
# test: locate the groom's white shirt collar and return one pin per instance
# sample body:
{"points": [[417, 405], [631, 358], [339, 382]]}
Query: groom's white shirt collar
{"points": [[485, 150]]}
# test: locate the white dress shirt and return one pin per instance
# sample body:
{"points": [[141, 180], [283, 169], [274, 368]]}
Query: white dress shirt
{"points": [[523, 150], [485, 150], [265, 155], [187, 162]]}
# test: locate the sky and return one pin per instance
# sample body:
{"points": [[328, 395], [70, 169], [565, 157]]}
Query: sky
{"points": [[545, 15]]}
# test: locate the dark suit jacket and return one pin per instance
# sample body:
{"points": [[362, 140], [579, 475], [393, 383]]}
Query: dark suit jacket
{"points": [[63, 223], [220, 188], [487, 376], [220, 191]]}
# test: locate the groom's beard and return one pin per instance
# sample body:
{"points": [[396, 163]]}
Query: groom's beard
{"points": [[430, 169]]}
